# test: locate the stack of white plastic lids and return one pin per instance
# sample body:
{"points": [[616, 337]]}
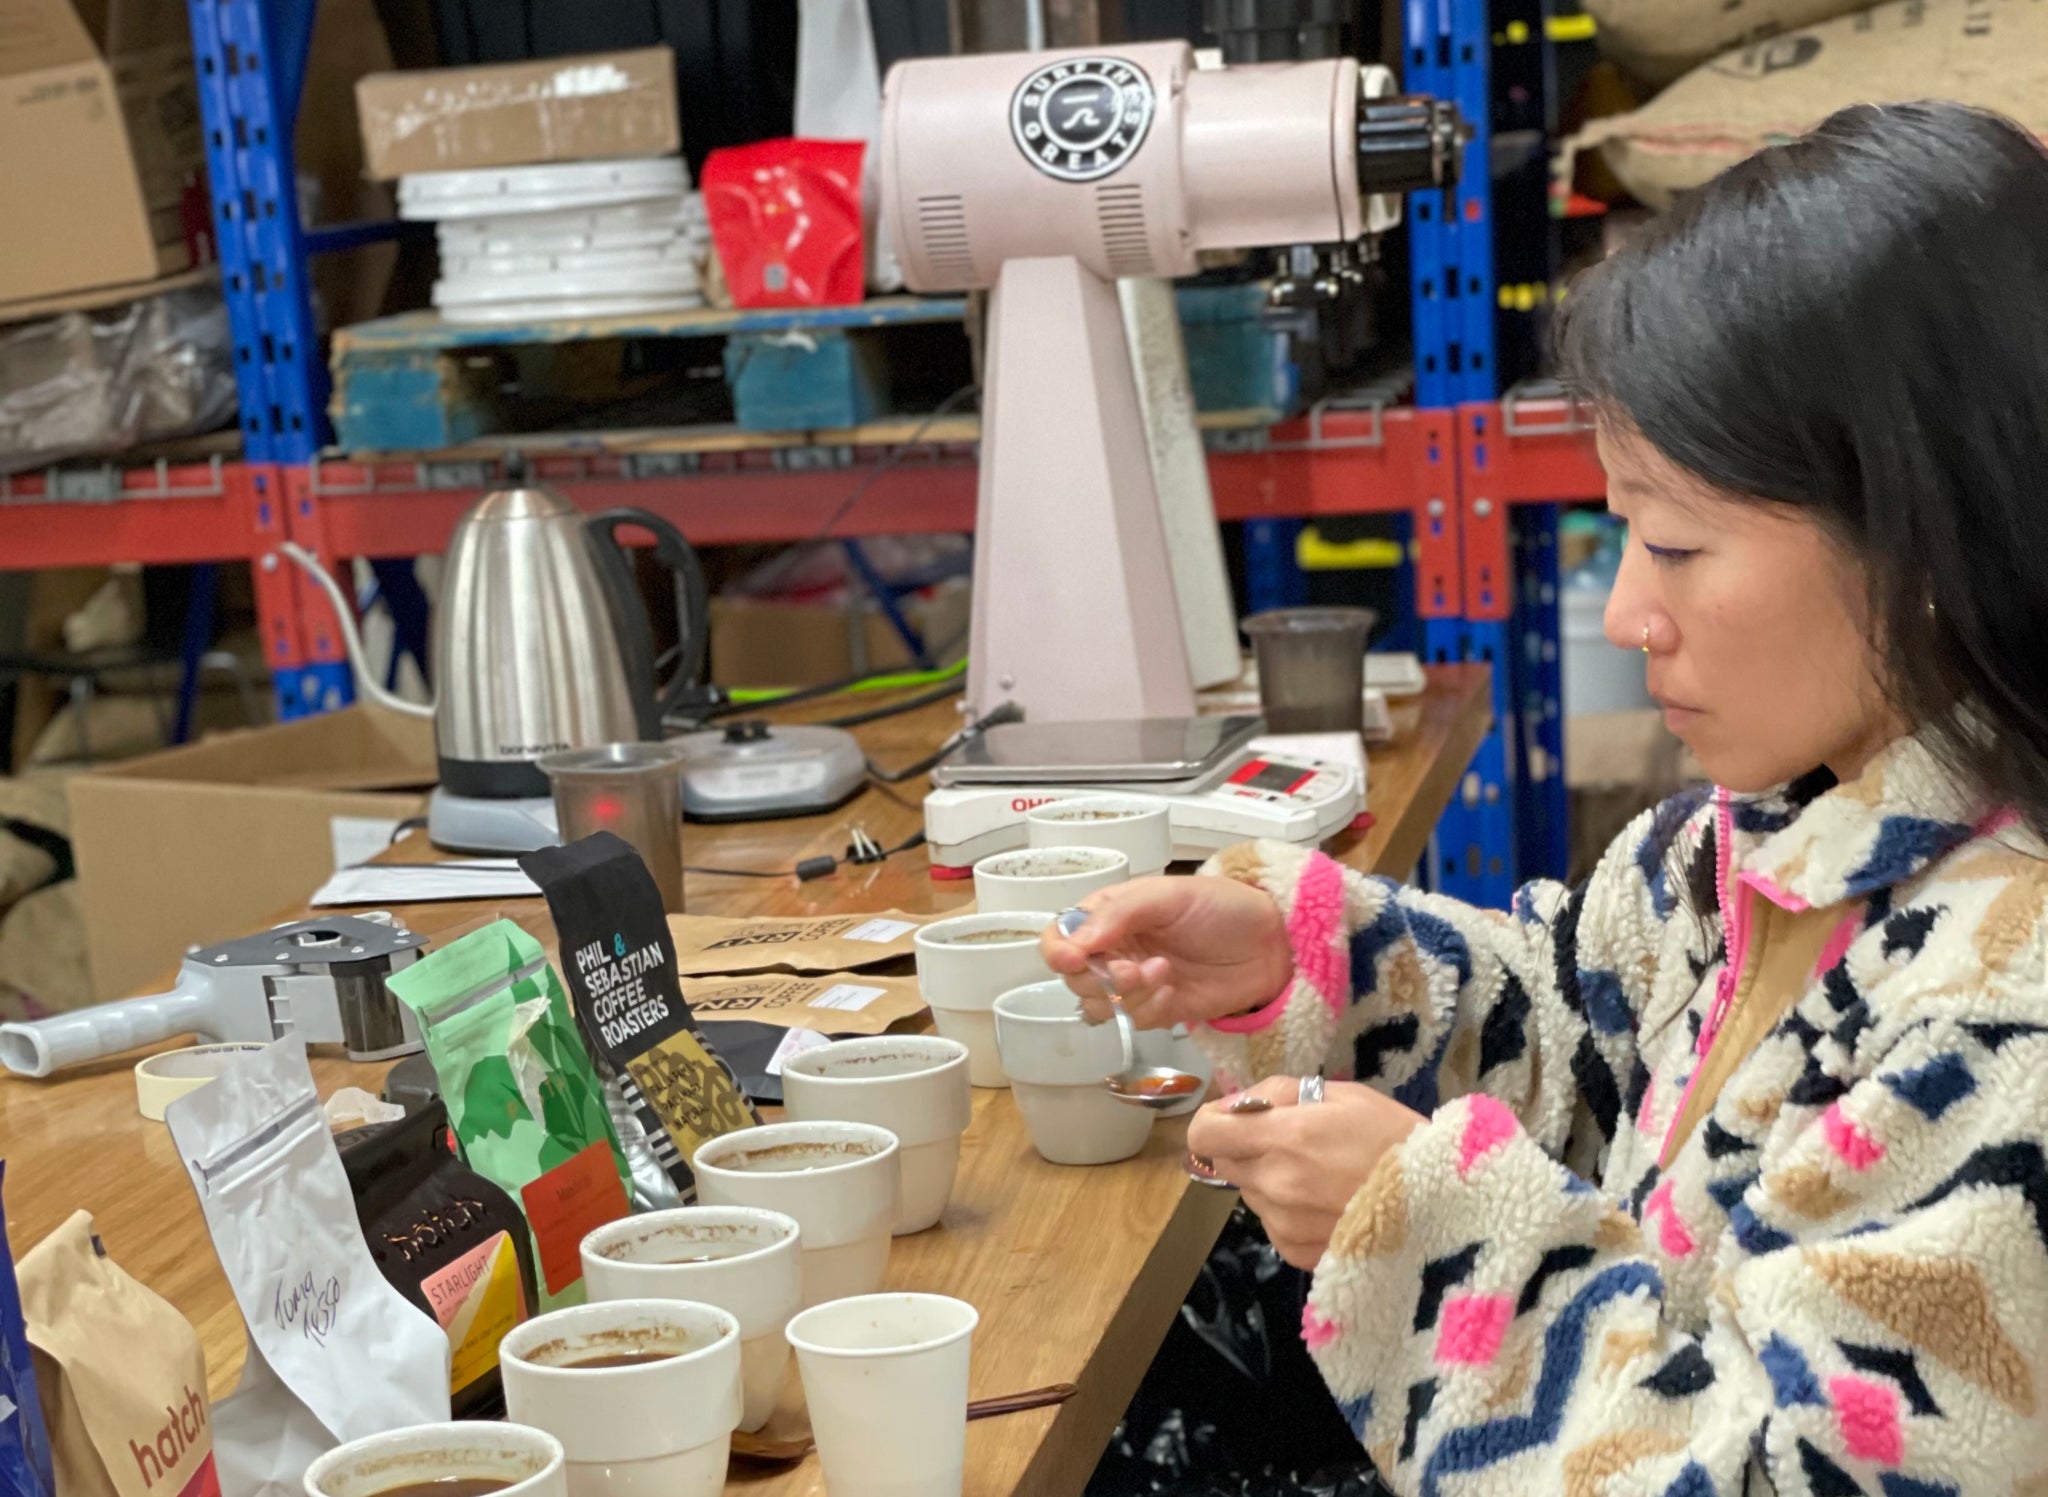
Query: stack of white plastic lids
{"points": [[587, 239]]}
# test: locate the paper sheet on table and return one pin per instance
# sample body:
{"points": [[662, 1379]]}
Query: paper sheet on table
{"points": [[423, 883]]}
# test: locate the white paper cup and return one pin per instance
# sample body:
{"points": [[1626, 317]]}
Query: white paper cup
{"points": [[663, 1426], [915, 1085], [961, 979], [530, 1459], [746, 1261], [1045, 878], [1138, 826], [1057, 1062], [885, 1377], [838, 1180]]}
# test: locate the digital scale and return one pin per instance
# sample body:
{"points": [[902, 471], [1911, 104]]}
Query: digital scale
{"points": [[1223, 781]]}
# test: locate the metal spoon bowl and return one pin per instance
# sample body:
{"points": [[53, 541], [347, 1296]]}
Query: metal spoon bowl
{"points": [[1156, 1087]]}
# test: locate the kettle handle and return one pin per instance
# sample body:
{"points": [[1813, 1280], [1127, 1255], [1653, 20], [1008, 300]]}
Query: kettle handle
{"points": [[693, 604]]}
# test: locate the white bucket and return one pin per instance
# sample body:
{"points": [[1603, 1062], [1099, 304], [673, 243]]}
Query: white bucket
{"points": [[1598, 676]]}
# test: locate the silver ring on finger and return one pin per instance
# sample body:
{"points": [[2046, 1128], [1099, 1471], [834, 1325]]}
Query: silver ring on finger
{"points": [[1311, 1090]]}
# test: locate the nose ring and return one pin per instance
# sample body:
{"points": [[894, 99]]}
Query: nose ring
{"points": [[1646, 639]]}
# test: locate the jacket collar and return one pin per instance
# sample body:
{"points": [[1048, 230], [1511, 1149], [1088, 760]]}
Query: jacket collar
{"points": [[1814, 843]]}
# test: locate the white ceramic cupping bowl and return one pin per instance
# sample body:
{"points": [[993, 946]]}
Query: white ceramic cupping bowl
{"points": [[885, 1378], [914, 1085], [1045, 878], [1138, 826], [1057, 1062], [961, 981], [839, 1182], [658, 1429], [745, 1261], [530, 1459]]}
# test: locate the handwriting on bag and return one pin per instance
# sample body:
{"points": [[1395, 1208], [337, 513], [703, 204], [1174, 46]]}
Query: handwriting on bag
{"points": [[310, 1306]]}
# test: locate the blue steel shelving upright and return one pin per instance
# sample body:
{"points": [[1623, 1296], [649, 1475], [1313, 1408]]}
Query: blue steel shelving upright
{"points": [[1446, 53], [1527, 98], [251, 62]]}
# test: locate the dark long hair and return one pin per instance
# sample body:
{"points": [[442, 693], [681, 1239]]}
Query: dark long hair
{"points": [[1856, 324]]}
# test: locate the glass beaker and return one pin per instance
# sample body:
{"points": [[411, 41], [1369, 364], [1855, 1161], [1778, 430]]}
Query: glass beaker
{"points": [[1312, 668], [634, 790]]}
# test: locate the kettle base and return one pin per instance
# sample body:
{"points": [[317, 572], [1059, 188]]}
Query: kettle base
{"points": [[472, 824]]}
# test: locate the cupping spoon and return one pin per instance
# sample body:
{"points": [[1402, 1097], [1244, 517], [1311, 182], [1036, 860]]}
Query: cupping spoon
{"points": [[1157, 1087]]}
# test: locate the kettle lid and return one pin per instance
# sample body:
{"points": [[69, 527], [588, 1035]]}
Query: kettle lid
{"points": [[522, 501]]}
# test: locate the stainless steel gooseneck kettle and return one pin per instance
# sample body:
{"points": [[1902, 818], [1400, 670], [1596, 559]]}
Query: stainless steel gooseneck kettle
{"points": [[541, 640]]}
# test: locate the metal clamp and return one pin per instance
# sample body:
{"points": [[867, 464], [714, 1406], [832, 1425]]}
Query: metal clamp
{"points": [[1373, 400], [108, 484], [1540, 392]]}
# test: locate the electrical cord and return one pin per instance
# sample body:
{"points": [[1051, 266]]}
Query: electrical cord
{"points": [[736, 702], [862, 850], [894, 456], [938, 693], [884, 681], [1008, 712], [743, 699]]}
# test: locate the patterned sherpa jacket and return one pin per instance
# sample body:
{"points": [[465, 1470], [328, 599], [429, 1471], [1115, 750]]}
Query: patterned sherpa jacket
{"points": [[1833, 1281]]}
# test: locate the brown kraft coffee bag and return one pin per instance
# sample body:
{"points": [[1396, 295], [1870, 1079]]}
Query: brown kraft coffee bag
{"points": [[835, 1003], [122, 1374], [708, 944]]}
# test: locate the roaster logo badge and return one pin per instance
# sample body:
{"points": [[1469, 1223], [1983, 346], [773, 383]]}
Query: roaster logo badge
{"points": [[1082, 119]]}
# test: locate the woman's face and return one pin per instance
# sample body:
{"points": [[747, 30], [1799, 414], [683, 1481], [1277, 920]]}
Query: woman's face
{"points": [[1759, 650]]}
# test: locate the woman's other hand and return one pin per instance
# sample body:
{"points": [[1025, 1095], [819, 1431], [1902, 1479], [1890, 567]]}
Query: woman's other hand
{"points": [[1179, 950], [1299, 1166]]}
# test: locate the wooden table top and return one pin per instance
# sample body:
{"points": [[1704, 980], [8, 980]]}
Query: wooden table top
{"points": [[1077, 1273]]}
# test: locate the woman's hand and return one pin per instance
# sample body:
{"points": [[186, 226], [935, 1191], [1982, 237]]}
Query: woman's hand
{"points": [[1298, 1167], [1180, 950]]}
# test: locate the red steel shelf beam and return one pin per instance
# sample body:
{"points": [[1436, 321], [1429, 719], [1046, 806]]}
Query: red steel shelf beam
{"points": [[1529, 452], [1514, 452], [1454, 471], [712, 507], [1334, 463], [1331, 462], [186, 513]]}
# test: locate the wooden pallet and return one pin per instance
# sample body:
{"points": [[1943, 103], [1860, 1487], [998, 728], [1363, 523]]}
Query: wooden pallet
{"points": [[416, 383], [807, 376], [640, 451]]}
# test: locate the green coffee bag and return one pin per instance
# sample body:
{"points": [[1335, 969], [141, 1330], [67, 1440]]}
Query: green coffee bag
{"points": [[526, 1105]]}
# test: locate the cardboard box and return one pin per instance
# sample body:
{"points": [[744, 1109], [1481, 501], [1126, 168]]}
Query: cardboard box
{"points": [[584, 108], [201, 843], [767, 642], [102, 146]]}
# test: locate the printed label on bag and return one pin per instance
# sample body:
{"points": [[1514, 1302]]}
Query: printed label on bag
{"points": [[566, 1204], [689, 1091], [880, 932], [835, 1003], [477, 1299]]}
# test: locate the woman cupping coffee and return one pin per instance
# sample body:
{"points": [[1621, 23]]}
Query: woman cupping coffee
{"points": [[1727, 1162]]}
